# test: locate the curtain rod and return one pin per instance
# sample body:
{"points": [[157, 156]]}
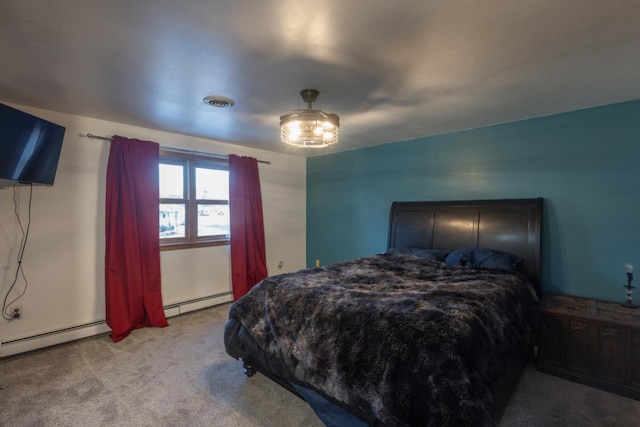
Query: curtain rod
{"points": [[179, 150]]}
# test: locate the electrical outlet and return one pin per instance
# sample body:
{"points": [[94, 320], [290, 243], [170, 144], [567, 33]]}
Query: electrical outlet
{"points": [[317, 263]]}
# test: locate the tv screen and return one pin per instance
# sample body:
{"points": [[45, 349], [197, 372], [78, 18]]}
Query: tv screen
{"points": [[29, 148]]}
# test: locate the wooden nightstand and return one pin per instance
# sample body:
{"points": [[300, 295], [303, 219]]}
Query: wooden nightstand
{"points": [[592, 342]]}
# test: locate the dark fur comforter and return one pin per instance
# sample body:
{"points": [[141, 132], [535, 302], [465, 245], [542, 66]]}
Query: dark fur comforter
{"points": [[400, 338]]}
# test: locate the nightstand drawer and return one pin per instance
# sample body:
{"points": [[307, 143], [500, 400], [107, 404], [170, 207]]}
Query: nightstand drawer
{"points": [[610, 356]]}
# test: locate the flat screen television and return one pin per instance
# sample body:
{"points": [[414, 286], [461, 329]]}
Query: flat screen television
{"points": [[29, 148]]}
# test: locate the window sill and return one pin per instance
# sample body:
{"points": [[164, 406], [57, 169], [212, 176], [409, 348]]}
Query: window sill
{"points": [[189, 245]]}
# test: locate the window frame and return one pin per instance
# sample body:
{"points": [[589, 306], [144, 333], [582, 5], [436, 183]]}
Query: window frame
{"points": [[190, 162]]}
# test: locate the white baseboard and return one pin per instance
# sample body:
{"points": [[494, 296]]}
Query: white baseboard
{"points": [[186, 307], [52, 338], [199, 304], [171, 312], [48, 339]]}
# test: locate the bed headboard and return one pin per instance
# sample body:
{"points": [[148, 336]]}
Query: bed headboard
{"points": [[510, 225]]}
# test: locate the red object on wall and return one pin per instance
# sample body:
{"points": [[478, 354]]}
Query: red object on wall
{"points": [[132, 256], [248, 257]]}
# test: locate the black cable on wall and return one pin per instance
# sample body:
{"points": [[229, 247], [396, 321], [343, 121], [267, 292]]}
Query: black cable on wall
{"points": [[6, 314]]}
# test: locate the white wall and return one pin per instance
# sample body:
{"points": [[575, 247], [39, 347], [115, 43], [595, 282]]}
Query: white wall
{"points": [[64, 258]]}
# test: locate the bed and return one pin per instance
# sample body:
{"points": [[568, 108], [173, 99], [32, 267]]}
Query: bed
{"points": [[434, 331]]}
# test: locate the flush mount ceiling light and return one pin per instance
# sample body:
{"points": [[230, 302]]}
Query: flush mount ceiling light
{"points": [[218, 101], [309, 128]]}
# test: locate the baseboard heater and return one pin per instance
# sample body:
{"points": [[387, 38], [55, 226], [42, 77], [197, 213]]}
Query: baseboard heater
{"points": [[72, 333]]}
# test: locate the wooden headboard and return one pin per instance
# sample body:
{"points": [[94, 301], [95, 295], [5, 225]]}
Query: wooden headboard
{"points": [[510, 225]]}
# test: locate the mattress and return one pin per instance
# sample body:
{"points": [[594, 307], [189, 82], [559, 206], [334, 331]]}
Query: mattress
{"points": [[396, 340]]}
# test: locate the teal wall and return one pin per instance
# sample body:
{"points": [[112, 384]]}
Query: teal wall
{"points": [[585, 164]]}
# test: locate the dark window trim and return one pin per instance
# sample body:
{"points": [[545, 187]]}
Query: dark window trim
{"points": [[190, 162]]}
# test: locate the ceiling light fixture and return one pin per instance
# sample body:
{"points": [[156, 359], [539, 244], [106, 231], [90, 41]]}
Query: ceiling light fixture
{"points": [[309, 128], [218, 101]]}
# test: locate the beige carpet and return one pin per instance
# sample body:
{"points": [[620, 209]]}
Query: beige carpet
{"points": [[181, 376]]}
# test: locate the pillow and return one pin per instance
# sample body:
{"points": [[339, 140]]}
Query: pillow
{"points": [[430, 254], [484, 258]]}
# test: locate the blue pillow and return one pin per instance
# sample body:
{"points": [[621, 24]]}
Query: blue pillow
{"points": [[484, 258], [430, 254]]}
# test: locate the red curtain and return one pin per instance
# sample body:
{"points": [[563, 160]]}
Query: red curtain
{"points": [[248, 259], [132, 257]]}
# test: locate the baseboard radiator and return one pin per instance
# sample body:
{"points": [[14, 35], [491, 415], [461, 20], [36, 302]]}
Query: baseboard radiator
{"points": [[59, 336]]}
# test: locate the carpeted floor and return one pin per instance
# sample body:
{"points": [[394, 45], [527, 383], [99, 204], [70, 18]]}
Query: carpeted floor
{"points": [[181, 376]]}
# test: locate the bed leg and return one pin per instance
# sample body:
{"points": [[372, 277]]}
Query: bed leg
{"points": [[249, 369]]}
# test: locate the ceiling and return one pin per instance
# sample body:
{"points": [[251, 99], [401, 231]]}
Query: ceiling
{"points": [[392, 70]]}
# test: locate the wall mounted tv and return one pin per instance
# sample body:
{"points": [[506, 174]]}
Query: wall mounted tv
{"points": [[29, 148]]}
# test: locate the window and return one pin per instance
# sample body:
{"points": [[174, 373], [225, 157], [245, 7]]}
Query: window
{"points": [[194, 201]]}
